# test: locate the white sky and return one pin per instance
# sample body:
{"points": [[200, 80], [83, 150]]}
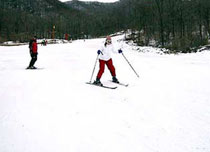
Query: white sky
{"points": [[108, 1]]}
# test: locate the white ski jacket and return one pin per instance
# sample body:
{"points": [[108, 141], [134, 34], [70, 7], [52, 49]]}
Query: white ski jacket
{"points": [[106, 52]]}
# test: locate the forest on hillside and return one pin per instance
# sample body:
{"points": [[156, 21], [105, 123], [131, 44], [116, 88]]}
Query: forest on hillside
{"points": [[173, 24]]}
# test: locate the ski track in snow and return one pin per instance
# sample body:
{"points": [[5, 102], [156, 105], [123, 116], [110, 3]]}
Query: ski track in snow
{"points": [[53, 110]]}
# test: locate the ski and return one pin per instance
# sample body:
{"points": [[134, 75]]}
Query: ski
{"points": [[103, 86], [122, 84], [35, 69]]}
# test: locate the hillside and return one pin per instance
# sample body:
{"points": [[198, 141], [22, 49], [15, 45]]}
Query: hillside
{"points": [[92, 7], [22, 19], [181, 26], [38, 7]]}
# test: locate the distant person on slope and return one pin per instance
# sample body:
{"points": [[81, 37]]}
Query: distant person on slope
{"points": [[33, 52], [105, 59]]}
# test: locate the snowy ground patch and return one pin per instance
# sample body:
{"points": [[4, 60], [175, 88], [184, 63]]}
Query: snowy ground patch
{"points": [[53, 110]]}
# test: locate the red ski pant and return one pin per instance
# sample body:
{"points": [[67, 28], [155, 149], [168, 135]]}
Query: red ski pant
{"points": [[110, 66]]}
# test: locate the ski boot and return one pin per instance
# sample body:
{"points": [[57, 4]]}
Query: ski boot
{"points": [[97, 82], [114, 79]]}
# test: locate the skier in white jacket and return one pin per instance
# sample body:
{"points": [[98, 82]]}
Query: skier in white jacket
{"points": [[105, 59]]}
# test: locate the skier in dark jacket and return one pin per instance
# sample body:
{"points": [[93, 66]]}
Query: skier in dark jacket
{"points": [[33, 52]]}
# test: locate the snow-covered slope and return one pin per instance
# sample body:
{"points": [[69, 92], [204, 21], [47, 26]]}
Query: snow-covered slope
{"points": [[53, 110]]}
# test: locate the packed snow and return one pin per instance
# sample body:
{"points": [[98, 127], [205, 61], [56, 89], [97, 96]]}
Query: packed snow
{"points": [[52, 109]]}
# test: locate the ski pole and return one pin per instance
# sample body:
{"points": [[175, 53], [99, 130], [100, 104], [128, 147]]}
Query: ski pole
{"points": [[130, 64], [94, 68]]}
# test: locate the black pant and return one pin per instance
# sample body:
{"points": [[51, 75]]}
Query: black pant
{"points": [[33, 59]]}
